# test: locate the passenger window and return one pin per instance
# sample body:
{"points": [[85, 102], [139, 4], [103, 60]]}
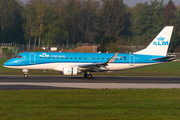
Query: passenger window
{"points": [[80, 58], [62, 58], [66, 57], [40, 57], [89, 58], [85, 58], [49, 57], [93, 58], [107, 58], [98, 58], [75, 58], [116, 58], [120, 58], [44, 57], [53, 57], [102, 58], [71, 58], [57, 57]]}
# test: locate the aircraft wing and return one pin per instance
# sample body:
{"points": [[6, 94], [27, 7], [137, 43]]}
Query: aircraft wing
{"points": [[98, 67]]}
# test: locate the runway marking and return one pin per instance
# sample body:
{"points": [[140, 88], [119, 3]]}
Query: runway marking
{"points": [[98, 85]]}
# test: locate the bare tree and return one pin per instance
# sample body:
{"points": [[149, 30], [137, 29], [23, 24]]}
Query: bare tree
{"points": [[89, 20], [72, 18], [29, 17]]}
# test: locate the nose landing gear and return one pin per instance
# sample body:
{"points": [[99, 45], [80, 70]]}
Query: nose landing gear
{"points": [[25, 73]]}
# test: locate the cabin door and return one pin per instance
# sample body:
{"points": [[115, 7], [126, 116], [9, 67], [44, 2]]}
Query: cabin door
{"points": [[131, 60], [32, 58]]}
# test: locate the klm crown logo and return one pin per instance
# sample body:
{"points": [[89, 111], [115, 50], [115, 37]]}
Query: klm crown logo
{"points": [[44, 55], [161, 38], [160, 41]]}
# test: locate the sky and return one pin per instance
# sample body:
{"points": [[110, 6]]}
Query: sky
{"points": [[132, 3]]}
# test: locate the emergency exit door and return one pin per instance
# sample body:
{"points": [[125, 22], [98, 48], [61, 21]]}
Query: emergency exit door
{"points": [[131, 60], [32, 58]]}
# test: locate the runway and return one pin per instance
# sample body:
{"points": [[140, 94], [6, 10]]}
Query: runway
{"points": [[59, 82]]}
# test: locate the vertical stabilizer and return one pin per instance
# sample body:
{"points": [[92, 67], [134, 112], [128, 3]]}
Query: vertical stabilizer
{"points": [[160, 44]]}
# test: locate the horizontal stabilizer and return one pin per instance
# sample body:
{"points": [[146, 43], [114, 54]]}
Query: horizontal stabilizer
{"points": [[169, 58]]}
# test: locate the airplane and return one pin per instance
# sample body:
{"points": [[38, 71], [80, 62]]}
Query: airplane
{"points": [[75, 63]]}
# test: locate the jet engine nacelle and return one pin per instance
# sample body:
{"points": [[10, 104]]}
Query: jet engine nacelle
{"points": [[71, 71]]}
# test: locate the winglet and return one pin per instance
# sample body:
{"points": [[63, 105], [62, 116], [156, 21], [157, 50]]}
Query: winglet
{"points": [[112, 58]]}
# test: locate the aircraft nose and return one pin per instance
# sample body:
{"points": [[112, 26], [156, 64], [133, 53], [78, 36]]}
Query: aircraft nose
{"points": [[7, 63]]}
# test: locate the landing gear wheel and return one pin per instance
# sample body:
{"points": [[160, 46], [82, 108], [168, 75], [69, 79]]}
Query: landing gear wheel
{"points": [[25, 75], [87, 75]]}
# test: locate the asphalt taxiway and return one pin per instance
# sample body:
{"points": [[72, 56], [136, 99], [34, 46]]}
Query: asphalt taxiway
{"points": [[59, 82]]}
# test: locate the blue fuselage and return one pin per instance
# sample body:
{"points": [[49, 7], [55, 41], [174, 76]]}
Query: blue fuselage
{"points": [[34, 58]]}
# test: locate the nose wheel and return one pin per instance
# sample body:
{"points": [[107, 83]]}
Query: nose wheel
{"points": [[25, 75], [87, 75]]}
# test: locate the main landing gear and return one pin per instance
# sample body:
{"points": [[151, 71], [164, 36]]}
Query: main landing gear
{"points": [[87, 75]]}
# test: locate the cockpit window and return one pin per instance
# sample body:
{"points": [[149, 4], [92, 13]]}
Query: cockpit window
{"points": [[15, 56], [18, 56]]}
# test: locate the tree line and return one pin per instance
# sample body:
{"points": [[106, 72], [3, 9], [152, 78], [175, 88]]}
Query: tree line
{"points": [[109, 22]]}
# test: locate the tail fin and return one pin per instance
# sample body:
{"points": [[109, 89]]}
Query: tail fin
{"points": [[160, 44]]}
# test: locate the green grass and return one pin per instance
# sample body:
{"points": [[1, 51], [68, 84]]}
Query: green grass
{"points": [[169, 69], [91, 104]]}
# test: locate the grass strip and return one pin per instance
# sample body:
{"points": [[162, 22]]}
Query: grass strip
{"points": [[90, 104]]}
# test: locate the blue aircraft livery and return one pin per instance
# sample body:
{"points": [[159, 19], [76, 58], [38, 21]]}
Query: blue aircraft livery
{"points": [[75, 63], [161, 38]]}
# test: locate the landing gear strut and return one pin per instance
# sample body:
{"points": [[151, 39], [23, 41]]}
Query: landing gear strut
{"points": [[87, 75], [25, 73]]}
